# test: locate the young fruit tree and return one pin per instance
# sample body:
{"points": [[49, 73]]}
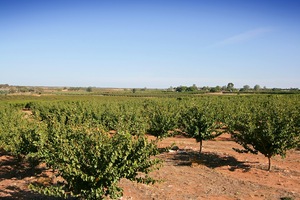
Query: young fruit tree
{"points": [[92, 164], [199, 124], [162, 119], [269, 130]]}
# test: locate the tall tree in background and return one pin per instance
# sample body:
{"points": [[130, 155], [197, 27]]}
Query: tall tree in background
{"points": [[246, 87], [230, 86], [256, 87]]}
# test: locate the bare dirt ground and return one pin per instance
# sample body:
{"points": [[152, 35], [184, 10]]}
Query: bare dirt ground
{"points": [[219, 173]]}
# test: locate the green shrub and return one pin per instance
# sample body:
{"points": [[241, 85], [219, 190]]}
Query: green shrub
{"points": [[92, 164]]}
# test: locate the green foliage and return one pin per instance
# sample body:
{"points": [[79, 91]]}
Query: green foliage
{"points": [[93, 163], [230, 86], [125, 117], [199, 124], [268, 128], [163, 118], [181, 88], [257, 87], [19, 134], [89, 89], [73, 134]]}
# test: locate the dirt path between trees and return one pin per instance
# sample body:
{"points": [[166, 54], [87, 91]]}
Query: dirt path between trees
{"points": [[219, 173]]}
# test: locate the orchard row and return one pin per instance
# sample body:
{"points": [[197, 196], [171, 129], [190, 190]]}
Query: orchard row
{"points": [[93, 142]]}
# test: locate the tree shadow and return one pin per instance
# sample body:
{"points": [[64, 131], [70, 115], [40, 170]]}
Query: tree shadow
{"points": [[14, 192], [212, 160], [12, 168], [19, 169]]}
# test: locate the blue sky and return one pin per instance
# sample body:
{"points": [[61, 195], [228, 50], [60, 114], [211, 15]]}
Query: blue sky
{"points": [[153, 44]]}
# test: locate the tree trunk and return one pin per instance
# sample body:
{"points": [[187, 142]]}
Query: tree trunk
{"points": [[200, 151], [269, 167]]}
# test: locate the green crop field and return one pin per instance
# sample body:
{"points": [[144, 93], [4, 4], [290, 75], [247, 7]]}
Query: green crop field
{"points": [[94, 141]]}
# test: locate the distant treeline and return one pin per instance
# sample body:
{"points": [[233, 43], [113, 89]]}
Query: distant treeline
{"points": [[135, 92]]}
